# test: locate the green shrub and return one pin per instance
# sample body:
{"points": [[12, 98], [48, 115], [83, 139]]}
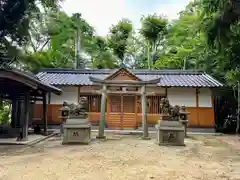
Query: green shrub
{"points": [[5, 115]]}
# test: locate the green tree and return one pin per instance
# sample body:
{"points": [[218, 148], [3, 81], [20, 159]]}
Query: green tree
{"points": [[220, 20], [118, 38], [59, 34], [153, 29], [15, 17], [219, 16], [186, 45], [137, 52], [101, 56]]}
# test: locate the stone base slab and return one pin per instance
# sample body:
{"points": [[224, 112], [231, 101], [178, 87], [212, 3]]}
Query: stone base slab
{"points": [[170, 133], [169, 144], [145, 138], [76, 134], [101, 137], [76, 143]]}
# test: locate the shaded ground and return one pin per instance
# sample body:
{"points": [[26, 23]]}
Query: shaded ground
{"points": [[124, 158]]}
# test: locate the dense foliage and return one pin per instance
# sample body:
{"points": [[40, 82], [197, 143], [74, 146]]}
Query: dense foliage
{"points": [[16, 17], [205, 36], [118, 38]]}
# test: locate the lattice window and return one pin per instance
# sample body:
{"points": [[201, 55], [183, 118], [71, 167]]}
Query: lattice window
{"points": [[153, 104], [94, 102], [128, 104], [115, 105]]}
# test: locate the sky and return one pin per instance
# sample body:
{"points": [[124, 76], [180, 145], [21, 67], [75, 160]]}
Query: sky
{"points": [[102, 14]]}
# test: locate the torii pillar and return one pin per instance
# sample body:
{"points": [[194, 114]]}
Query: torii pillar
{"points": [[144, 113], [103, 111]]}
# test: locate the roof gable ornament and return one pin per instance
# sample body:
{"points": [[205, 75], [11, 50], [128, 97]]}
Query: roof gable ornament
{"points": [[123, 74]]}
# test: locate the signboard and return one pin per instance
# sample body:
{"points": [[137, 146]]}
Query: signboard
{"points": [[169, 137], [75, 133]]}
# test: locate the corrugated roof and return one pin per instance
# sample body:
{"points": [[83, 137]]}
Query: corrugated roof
{"points": [[168, 78]]}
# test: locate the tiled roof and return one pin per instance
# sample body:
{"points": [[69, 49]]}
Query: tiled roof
{"points": [[31, 78], [168, 78]]}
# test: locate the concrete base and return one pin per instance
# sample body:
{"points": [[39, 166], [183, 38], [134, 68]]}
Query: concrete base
{"points": [[76, 131], [76, 134], [77, 143], [170, 133], [169, 144], [145, 138], [101, 137]]}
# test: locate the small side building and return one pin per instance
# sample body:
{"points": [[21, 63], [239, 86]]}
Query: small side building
{"points": [[193, 89], [22, 89]]}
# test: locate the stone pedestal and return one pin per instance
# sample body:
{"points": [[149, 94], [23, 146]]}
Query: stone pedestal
{"points": [[63, 119], [184, 123], [184, 119], [170, 133], [76, 131]]}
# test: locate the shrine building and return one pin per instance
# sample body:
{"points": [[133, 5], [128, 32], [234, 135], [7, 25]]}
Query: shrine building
{"points": [[123, 90]]}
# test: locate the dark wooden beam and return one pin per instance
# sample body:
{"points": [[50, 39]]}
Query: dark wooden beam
{"points": [[45, 113], [8, 76], [125, 92], [19, 114], [49, 98], [14, 76], [14, 113], [127, 85], [21, 97], [26, 103]]}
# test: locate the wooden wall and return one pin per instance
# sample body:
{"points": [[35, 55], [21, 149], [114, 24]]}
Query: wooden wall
{"points": [[199, 117]]}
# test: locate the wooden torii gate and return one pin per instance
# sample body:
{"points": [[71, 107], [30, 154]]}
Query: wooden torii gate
{"points": [[124, 83]]}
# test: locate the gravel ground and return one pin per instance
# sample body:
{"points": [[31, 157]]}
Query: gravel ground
{"points": [[123, 157]]}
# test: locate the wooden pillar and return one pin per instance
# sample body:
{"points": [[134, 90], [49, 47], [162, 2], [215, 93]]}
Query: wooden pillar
{"points": [[136, 110], [14, 113], [19, 113], [103, 112], [108, 107], [197, 107], [44, 111], [49, 98], [1, 101], [26, 115], [238, 109], [144, 113]]}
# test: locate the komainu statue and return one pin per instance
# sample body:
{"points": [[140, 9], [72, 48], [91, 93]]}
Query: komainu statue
{"points": [[78, 109], [175, 113], [164, 106], [170, 130], [172, 111], [77, 128]]}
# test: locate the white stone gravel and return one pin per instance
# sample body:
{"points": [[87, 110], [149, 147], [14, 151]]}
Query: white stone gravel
{"points": [[123, 158]]}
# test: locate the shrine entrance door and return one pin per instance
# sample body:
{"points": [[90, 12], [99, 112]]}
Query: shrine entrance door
{"points": [[122, 112]]}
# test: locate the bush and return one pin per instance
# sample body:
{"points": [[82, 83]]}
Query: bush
{"points": [[5, 115]]}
